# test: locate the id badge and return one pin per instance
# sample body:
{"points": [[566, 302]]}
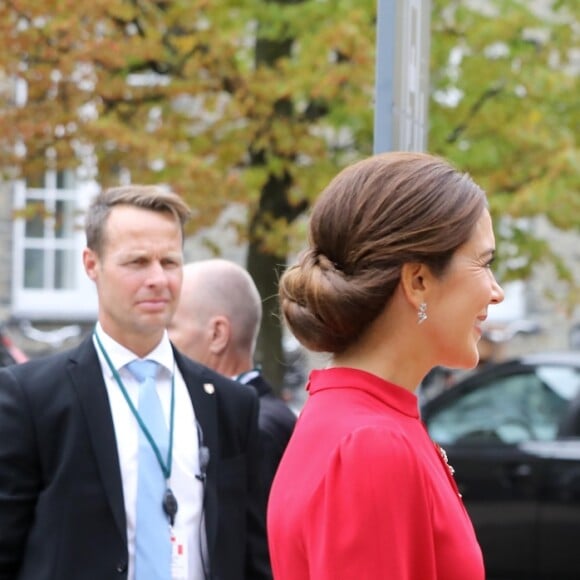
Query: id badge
{"points": [[178, 557]]}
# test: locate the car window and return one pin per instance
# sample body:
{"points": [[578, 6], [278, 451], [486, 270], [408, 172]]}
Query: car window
{"points": [[565, 381], [521, 407]]}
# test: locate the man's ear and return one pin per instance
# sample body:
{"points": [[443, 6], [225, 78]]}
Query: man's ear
{"points": [[90, 261], [221, 331], [414, 280]]}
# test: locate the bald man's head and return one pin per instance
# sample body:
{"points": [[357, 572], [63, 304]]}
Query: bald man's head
{"points": [[219, 313]]}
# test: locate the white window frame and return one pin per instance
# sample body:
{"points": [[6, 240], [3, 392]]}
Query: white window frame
{"points": [[76, 303]]}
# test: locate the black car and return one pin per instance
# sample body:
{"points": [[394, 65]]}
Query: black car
{"points": [[512, 432]]}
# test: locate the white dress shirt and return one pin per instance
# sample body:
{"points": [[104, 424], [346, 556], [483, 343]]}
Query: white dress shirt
{"points": [[187, 488]]}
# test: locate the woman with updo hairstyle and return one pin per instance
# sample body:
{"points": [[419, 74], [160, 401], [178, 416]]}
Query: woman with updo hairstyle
{"points": [[395, 281]]}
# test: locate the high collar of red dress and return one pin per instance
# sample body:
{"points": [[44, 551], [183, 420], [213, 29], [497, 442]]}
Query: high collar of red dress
{"points": [[349, 378]]}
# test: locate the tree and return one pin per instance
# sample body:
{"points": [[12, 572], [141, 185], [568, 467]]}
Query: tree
{"points": [[259, 103], [505, 108], [227, 102]]}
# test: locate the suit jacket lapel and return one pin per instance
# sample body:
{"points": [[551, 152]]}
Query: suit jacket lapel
{"points": [[86, 374], [204, 400]]}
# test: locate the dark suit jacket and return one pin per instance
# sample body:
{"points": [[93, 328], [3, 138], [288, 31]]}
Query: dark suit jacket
{"points": [[61, 499], [276, 422]]}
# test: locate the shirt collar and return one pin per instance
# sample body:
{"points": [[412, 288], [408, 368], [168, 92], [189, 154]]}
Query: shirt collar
{"points": [[121, 356], [247, 376]]}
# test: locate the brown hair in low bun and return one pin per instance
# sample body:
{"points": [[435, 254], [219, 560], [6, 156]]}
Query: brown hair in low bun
{"points": [[373, 217]]}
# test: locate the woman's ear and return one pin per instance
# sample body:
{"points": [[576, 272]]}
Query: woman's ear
{"points": [[414, 280]]}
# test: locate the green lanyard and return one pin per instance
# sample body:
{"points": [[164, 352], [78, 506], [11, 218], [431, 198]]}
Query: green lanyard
{"points": [[165, 468]]}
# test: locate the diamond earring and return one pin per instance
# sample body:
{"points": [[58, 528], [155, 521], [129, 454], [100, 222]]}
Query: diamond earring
{"points": [[422, 313]]}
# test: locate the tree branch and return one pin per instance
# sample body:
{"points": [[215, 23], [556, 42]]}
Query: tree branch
{"points": [[475, 108]]}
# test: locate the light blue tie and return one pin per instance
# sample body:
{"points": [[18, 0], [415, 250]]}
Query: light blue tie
{"points": [[152, 536]]}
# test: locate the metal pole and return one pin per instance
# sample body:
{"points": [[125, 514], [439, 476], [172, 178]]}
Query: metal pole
{"points": [[402, 75], [384, 75]]}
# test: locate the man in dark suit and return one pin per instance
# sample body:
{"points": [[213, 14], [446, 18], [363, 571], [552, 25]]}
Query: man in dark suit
{"points": [[217, 323], [74, 437]]}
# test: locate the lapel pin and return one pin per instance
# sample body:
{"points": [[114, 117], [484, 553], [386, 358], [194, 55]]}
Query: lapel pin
{"points": [[209, 388]]}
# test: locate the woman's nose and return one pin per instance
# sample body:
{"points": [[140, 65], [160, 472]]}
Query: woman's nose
{"points": [[497, 293]]}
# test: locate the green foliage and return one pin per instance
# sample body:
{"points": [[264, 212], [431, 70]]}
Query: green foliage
{"points": [[172, 91], [260, 102], [515, 125]]}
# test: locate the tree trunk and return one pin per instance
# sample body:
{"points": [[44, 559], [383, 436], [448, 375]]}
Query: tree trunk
{"points": [[264, 265], [265, 270]]}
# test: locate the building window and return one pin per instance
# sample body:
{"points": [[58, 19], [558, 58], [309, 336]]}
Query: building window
{"points": [[49, 280]]}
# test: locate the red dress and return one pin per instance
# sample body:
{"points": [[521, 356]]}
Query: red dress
{"points": [[362, 492]]}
